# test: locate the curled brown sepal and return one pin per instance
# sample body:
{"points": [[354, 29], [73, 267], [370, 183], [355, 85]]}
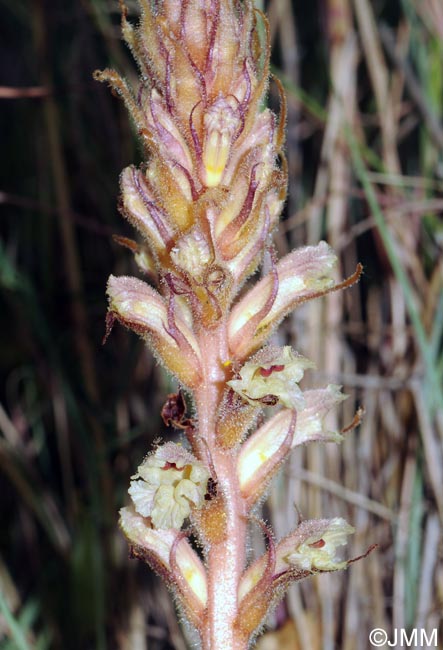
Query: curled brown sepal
{"points": [[120, 88], [364, 555], [109, 325], [139, 307], [356, 420], [254, 603], [303, 275], [262, 454], [174, 411], [169, 554]]}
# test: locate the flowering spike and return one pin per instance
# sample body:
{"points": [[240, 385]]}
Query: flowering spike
{"points": [[205, 202]]}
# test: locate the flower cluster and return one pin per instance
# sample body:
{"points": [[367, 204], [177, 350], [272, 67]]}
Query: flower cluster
{"points": [[205, 202]]}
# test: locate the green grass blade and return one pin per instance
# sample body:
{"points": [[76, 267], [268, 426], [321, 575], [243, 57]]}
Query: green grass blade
{"points": [[434, 392]]}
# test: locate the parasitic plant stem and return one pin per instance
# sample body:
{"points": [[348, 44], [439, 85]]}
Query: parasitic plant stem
{"points": [[229, 552], [225, 565]]}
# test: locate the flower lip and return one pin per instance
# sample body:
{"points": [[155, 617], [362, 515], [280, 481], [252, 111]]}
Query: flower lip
{"points": [[318, 552], [272, 376], [311, 422]]}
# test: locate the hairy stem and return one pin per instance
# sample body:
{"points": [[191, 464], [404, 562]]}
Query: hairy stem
{"points": [[225, 559]]}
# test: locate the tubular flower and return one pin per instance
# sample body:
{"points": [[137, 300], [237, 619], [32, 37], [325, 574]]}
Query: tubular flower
{"points": [[205, 202], [272, 376], [312, 547], [318, 551], [297, 277], [167, 485]]}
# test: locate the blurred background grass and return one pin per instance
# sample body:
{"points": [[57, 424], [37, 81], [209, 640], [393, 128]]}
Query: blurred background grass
{"points": [[365, 146]]}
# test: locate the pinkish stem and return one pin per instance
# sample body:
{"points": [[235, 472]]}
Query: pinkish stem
{"points": [[225, 560]]}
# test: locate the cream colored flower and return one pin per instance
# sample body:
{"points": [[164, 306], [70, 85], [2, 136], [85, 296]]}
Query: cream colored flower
{"points": [[272, 376], [168, 484], [318, 552]]}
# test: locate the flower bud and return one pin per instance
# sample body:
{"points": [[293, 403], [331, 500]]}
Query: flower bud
{"points": [[303, 274], [171, 555], [192, 254], [221, 122], [142, 309], [141, 208], [262, 454], [167, 485]]}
